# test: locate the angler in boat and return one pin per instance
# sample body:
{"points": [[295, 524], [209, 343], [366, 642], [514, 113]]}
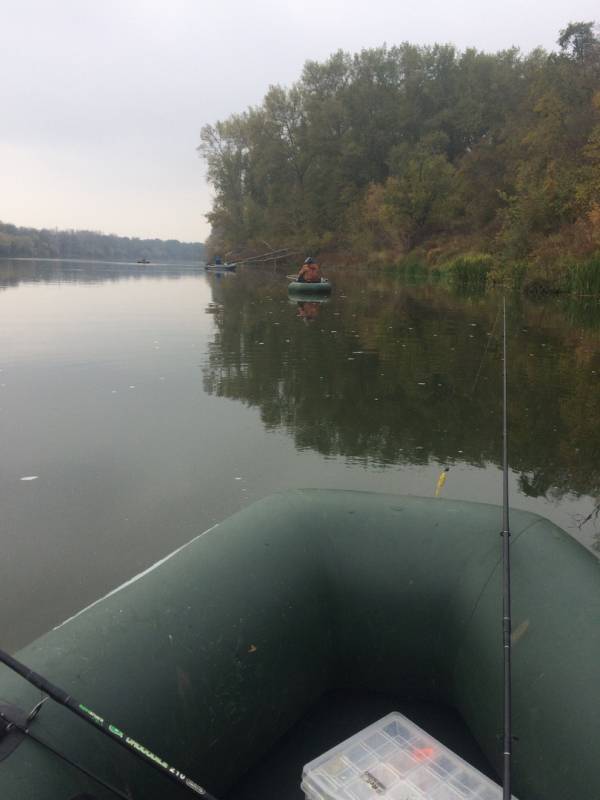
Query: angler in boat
{"points": [[310, 272], [219, 266], [309, 279]]}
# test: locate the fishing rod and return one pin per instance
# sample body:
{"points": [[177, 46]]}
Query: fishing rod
{"points": [[26, 731], [101, 724], [284, 251], [506, 610]]}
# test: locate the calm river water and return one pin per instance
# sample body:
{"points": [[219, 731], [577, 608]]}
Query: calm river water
{"points": [[140, 405]]}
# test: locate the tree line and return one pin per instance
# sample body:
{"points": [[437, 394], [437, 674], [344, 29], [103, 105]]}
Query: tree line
{"points": [[419, 148], [17, 242]]}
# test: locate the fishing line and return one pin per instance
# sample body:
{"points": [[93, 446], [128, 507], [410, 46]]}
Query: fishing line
{"points": [[103, 725], [444, 473], [11, 723], [485, 352]]}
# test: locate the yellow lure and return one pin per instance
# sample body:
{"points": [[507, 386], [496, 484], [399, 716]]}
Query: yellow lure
{"points": [[441, 481]]}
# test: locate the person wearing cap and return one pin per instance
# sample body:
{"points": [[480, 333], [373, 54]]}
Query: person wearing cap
{"points": [[309, 272]]}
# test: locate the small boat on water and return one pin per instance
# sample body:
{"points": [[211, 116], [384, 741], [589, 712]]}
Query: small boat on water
{"points": [[143, 261], [283, 630], [220, 267], [304, 287]]}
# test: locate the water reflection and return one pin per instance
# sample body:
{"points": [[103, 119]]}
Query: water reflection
{"points": [[394, 374], [102, 370], [308, 311], [14, 272]]}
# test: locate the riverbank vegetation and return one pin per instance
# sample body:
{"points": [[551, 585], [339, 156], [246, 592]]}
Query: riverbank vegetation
{"points": [[482, 166], [16, 242]]}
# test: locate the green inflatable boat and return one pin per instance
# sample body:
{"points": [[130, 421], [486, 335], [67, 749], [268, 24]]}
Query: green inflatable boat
{"points": [[300, 620], [304, 287]]}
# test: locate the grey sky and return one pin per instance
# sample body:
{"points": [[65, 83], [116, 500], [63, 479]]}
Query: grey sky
{"points": [[102, 102]]}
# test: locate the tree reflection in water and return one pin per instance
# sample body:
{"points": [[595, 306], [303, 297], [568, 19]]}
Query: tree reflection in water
{"points": [[388, 373]]}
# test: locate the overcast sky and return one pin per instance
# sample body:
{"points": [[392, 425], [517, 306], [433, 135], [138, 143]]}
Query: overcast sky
{"points": [[102, 102]]}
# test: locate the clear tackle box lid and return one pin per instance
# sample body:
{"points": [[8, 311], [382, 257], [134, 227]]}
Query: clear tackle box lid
{"points": [[394, 758]]}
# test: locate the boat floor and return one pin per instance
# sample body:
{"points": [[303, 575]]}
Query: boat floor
{"points": [[335, 717]]}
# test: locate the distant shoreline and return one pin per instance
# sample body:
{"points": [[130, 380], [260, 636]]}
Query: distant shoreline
{"points": [[19, 242], [102, 261]]}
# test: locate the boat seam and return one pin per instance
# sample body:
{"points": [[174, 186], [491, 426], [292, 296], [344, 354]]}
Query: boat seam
{"points": [[135, 578]]}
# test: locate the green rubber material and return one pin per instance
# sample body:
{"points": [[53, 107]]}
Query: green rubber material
{"points": [[303, 287], [210, 657]]}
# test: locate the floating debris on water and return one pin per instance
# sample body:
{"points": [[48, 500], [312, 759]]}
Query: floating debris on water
{"points": [[30, 477]]}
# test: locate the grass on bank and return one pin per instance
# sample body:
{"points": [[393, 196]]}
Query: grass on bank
{"points": [[472, 269], [584, 278], [481, 270]]}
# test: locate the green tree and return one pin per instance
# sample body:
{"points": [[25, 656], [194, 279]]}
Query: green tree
{"points": [[398, 147], [579, 42], [419, 196]]}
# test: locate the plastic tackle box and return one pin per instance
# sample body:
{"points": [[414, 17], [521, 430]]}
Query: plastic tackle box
{"points": [[395, 759]]}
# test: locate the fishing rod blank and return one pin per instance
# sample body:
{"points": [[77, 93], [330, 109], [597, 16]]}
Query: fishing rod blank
{"points": [[110, 730], [506, 610], [24, 729]]}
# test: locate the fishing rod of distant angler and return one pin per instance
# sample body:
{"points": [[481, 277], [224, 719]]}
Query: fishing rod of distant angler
{"points": [[506, 609], [103, 725]]}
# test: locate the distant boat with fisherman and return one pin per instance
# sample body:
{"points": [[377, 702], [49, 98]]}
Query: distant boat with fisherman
{"points": [[219, 266]]}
